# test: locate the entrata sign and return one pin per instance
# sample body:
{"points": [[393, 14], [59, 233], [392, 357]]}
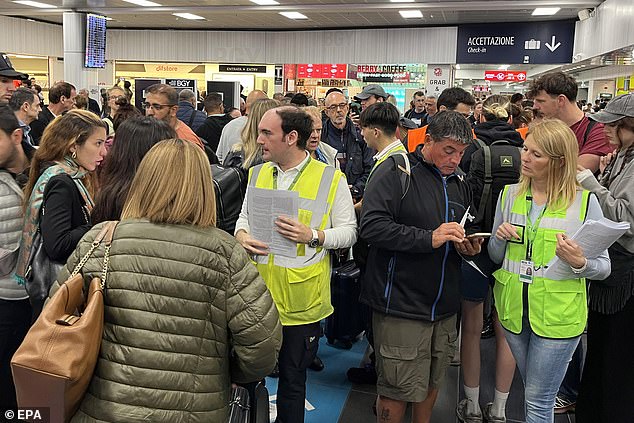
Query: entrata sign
{"points": [[505, 76]]}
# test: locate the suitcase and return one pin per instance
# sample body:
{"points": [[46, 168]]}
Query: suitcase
{"points": [[239, 405], [346, 323]]}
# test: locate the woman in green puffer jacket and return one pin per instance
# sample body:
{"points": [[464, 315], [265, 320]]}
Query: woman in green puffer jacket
{"points": [[186, 314]]}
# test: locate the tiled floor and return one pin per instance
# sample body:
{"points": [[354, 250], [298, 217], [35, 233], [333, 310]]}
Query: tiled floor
{"points": [[332, 399]]}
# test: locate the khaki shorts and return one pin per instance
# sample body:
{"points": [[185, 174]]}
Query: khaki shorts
{"points": [[412, 356]]}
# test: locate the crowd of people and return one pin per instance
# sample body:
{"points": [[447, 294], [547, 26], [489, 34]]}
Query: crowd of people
{"points": [[456, 201]]}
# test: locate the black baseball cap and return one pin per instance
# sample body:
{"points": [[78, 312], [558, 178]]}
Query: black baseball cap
{"points": [[6, 69], [370, 90], [618, 108]]}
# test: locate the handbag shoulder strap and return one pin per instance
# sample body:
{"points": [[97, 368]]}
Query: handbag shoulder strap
{"points": [[111, 226]]}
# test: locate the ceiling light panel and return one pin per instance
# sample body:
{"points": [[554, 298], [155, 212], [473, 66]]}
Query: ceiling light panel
{"points": [[293, 15], [402, 1], [265, 2], [144, 3], [35, 4], [545, 11], [189, 16], [411, 14]]}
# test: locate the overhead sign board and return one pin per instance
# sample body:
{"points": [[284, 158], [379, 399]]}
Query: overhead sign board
{"points": [[242, 68], [505, 76], [325, 70], [531, 42]]}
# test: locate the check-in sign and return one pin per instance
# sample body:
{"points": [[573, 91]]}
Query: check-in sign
{"points": [[505, 76]]}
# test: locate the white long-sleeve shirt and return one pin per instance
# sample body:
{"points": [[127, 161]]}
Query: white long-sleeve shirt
{"points": [[341, 228]]}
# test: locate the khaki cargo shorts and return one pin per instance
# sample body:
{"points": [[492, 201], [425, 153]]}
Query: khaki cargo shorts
{"points": [[412, 356]]}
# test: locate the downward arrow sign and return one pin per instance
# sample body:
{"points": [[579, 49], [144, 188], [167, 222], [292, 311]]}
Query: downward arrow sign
{"points": [[552, 46]]}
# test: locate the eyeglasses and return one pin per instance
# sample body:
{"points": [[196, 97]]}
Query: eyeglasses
{"points": [[115, 97], [334, 107], [156, 107]]}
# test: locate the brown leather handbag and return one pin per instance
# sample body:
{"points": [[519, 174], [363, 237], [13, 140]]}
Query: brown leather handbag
{"points": [[54, 365]]}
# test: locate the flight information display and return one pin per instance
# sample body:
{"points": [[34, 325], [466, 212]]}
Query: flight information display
{"points": [[95, 41]]}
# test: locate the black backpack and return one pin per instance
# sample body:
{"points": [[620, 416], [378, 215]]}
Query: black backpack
{"points": [[492, 167], [228, 183]]}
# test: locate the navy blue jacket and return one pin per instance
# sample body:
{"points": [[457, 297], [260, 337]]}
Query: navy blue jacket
{"points": [[184, 113], [359, 155], [404, 275]]}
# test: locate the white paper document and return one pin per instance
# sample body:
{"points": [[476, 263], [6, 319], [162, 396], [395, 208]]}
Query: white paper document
{"points": [[265, 206], [594, 237]]}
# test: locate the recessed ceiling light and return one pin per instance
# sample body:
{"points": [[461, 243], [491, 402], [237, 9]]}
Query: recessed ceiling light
{"points": [[402, 1], [144, 3], [293, 15], [108, 18], [189, 16], [545, 11], [35, 4], [265, 2], [411, 14], [458, 67]]}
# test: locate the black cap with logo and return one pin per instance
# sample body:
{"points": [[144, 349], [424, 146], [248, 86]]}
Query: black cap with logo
{"points": [[6, 69]]}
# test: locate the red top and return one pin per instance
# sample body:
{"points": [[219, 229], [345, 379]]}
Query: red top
{"points": [[597, 143]]}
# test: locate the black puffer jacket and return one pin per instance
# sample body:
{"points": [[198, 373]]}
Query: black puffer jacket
{"points": [[405, 276]]}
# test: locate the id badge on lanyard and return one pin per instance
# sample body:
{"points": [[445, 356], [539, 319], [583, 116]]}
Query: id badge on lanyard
{"points": [[527, 267]]}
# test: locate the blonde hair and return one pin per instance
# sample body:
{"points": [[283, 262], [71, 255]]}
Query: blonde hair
{"points": [[115, 88], [173, 185], [249, 135], [312, 111], [496, 107], [59, 137], [557, 141]]}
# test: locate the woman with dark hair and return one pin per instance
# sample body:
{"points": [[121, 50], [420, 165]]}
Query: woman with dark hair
{"points": [[60, 191], [134, 139], [125, 111]]}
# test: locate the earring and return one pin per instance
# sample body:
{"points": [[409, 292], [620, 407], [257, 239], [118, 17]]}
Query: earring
{"points": [[74, 155]]}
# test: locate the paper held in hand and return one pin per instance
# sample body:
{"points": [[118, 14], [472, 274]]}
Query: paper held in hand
{"points": [[594, 237], [264, 207]]}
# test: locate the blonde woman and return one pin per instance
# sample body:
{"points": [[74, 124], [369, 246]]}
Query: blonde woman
{"points": [[186, 313], [115, 95], [543, 318], [248, 153]]}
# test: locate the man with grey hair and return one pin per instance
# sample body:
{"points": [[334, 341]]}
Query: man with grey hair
{"points": [[93, 106], [26, 107], [187, 112], [417, 236]]}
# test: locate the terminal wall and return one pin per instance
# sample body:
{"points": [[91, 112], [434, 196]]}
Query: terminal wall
{"points": [[25, 37], [610, 29]]}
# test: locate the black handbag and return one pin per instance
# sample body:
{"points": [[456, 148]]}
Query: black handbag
{"points": [[41, 271], [239, 405]]}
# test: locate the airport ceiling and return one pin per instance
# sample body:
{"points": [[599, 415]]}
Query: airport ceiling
{"points": [[320, 14]]}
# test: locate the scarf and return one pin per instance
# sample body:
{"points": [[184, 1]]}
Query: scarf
{"points": [[32, 215]]}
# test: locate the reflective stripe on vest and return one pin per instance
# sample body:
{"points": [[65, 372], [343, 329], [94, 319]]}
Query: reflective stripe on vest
{"points": [[300, 286], [556, 308]]}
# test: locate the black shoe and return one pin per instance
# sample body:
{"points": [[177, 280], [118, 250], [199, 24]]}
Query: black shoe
{"points": [[362, 375], [317, 365], [276, 371], [488, 330]]}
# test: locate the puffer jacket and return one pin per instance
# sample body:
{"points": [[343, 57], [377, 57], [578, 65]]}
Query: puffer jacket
{"points": [[11, 222], [185, 314]]}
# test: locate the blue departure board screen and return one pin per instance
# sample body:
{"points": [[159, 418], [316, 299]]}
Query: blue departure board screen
{"points": [[95, 42]]}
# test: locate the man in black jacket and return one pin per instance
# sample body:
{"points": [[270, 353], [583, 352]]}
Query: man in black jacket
{"points": [[61, 98], [211, 129], [413, 268], [354, 156]]}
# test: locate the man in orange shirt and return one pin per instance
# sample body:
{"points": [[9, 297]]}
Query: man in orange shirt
{"points": [[455, 99], [161, 102]]}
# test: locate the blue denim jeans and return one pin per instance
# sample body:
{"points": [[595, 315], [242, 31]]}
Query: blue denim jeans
{"points": [[542, 362]]}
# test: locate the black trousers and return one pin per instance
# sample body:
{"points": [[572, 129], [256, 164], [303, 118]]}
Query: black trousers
{"points": [[299, 348], [15, 321]]}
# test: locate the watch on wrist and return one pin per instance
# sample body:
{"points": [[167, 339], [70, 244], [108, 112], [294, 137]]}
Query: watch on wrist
{"points": [[314, 242], [578, 270]]}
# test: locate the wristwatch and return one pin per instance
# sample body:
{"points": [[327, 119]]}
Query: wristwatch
{"points": [[314, 242]]}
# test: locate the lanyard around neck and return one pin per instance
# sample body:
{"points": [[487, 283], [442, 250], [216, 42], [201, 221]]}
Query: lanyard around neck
{"points": [[301, 170], [532, 227]]}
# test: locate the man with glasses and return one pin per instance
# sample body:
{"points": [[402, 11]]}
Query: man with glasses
{"points": [[354, 156], [61, 98], [161, 101]]}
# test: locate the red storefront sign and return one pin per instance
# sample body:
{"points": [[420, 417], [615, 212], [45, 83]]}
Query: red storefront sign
{"points": [[505, 76], [322, 70]]}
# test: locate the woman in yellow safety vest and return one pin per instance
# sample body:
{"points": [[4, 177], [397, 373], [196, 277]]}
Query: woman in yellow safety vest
{"points": [[544, 315]]}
